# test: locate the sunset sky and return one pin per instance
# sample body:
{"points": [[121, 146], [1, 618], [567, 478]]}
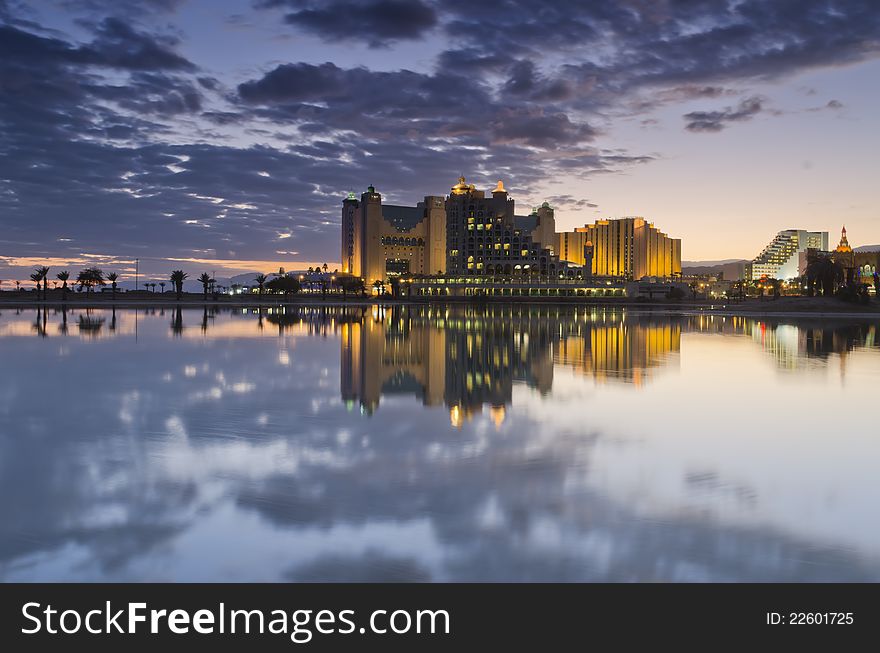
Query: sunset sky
{"points": [[223, 135]]}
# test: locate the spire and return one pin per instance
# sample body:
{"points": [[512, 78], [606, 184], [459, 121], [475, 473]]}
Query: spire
{"points": [[843, 246]]}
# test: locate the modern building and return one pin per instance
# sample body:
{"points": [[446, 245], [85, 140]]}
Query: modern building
{"points": [[628, 248], [780, 259], [471, 233]]}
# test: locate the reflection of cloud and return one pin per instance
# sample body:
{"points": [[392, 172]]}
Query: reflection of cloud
{"points": [[129, 478], [372, 567]]}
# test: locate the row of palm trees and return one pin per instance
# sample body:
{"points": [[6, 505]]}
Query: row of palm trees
{"points": [[90, 278], [87, 279]]}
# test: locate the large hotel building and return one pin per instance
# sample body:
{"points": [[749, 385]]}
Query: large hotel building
{"points": [[471, 233]]}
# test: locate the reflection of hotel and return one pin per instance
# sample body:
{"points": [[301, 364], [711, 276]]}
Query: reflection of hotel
{"points": [[468, 357], [626, 350], [471, 233], [796, 345]]}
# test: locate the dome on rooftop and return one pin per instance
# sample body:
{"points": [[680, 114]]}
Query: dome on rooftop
{"points": [[461, 188]]}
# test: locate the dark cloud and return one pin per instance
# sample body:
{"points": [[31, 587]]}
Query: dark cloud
{"points": [[378, 22], [116, 45], [297, 82], [140, 7], [526, 82], [715, 121], [569, 201], [150, 92], [831, 105], [441, 104], [473, 60]]}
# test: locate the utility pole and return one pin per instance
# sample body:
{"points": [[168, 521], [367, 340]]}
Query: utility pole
{"points": [[137, 265]]}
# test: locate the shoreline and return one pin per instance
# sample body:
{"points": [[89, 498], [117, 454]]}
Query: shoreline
{"points": [[799, 307]]}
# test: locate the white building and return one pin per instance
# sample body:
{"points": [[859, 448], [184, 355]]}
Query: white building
{"points": [[779, 260]]}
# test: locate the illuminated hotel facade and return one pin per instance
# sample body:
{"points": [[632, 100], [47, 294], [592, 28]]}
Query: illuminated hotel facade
{"points": [[470, 233], [628, 248]]}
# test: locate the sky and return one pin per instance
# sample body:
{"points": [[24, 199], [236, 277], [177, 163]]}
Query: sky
{"points": [[222, 136]]}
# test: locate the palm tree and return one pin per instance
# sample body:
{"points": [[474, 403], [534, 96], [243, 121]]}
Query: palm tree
{"points": [[17, 285], [177, 278], [325, 267], [161, 285], [44, 274], [379, 285], [206, 280], [113, 278], [261, 281], [37, 278]]}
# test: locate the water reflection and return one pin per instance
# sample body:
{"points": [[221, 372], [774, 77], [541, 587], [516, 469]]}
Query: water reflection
{"points": [[467, 358], [435, 443]]}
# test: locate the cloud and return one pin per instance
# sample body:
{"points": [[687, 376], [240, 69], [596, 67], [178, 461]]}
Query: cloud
{"points": [[116, 45], [831, 105], [378, 22], [715, 121], [99, 125]]}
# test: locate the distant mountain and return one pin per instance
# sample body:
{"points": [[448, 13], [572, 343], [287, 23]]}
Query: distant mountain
{"points": [[867, 248], [246, 279], [700, 264], [728, 268]]}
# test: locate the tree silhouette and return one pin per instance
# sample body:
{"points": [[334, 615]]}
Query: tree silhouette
{"points": [[63, 277], [261, 281], [206, 280], [177, 278], [44, 274], [37, 278], [113, 278], [286, 284], [823, 272], [89, 278]]}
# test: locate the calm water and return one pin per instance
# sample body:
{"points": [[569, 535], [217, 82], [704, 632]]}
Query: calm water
{"points": [[543, 443]]}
